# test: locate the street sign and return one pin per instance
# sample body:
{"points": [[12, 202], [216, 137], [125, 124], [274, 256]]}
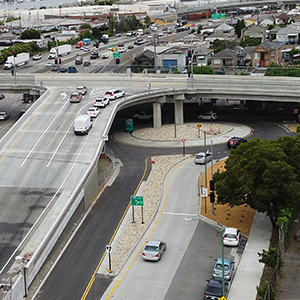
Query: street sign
{"points": [[183, 140], [204, 192], [218, 16], [116, 55], [108, 248], [137, 200], [199, 125], [222, 298]]}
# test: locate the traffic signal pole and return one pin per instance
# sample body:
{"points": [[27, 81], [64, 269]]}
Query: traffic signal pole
{"points": [[14, 67]]}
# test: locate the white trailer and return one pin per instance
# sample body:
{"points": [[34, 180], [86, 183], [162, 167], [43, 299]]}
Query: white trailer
{"points": [[59, 51], [19, 60]]}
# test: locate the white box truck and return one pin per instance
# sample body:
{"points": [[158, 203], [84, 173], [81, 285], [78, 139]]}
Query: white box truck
{"points": [[82, 124], [61, 50], [19, 60]]}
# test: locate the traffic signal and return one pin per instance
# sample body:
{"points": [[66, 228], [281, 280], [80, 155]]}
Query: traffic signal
{"points": [[117, 61], [59, 61], [212, 197], [212, 185], [189, 53], [12, 71], [97, 45], [55, 61], [15, 53], [187, 61]]}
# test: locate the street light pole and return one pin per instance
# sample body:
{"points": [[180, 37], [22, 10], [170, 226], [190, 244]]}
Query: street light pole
{"points": [[174, 113]]}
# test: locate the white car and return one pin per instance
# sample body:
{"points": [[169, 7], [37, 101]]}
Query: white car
{"points": [[82, 90], [4, 115], [49, 64], [231, 236], [208, 116], [200, 157], [93, 112], [101, 102], [154, 250], [143, 116], [114, 94]]}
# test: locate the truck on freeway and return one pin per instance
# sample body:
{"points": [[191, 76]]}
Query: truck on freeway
{"points": [[19, 60], [61, 50]]}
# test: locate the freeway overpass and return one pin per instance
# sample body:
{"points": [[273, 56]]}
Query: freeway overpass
{"points": [[49, 174]]}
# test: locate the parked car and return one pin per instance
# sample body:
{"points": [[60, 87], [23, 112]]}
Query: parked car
{"points": [[200, 157], [101, 102], [228, 269], [3, 115], [75, 97], [82, 89], [86, 63], [37, 56], [214, 290], [143, 116], [93, 112], [234, 142], [231, 236], [208, 116], [2, 96], [153, 250], [79, 60], [114, 94]]}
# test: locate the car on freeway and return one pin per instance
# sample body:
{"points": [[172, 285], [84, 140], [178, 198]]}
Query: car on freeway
{"points": [[208, 116], [86, 63], [130, 47], [55, 68], [101, 102], [4, 115], [228, 269], [86, 49], [72, 70], [94, 55], [114, 94], [231, 236], [49, 64], [79, 60], [153, 250], [75, 97], [234, 142], [118, 34], [82, 89], [63, 70], [37, 56], [2, 96], [105, 56], [143, 116], [160, 33], [214, 290], [93, 112], [200, 157]]}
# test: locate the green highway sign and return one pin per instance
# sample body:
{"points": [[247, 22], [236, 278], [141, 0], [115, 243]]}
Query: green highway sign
{"points": [[137, 200], [218, 16], [116, 55]]}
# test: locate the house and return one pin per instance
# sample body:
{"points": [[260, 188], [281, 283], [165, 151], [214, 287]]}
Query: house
{"points": [[254, 32], [173, 58], [287, 35], [265, 54], [226, 57], [145, 59], [266, 20], [225, 28], [272, 33], [203, 56], [244, 56], [283, 19], [251, 21]]}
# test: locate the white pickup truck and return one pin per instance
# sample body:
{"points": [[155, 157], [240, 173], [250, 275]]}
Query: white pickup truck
{"points": [[143, 116]]}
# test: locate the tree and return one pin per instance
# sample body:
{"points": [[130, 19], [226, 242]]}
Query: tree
{"points": [[96, 32], [203, 70], [86, 34], [262, 175], [30, 34], [85, 25], [199, 29], [239, 26]]}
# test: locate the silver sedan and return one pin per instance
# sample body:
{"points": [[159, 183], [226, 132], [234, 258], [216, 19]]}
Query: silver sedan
{"points": [[153, 250]]}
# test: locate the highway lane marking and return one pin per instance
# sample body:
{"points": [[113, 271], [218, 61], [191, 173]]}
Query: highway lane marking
{"points": [[21, 133], [179, 214], [163, 206], [45, 131]]}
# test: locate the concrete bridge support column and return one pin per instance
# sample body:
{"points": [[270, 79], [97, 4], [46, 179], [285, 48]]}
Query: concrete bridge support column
{"points": [[178, 102], [157, 121]]}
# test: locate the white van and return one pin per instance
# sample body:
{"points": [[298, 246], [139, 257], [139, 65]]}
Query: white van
{"points": [[82, 124]]}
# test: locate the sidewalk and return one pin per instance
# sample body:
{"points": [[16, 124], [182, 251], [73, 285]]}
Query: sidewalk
{"points": [[249, 270]]}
